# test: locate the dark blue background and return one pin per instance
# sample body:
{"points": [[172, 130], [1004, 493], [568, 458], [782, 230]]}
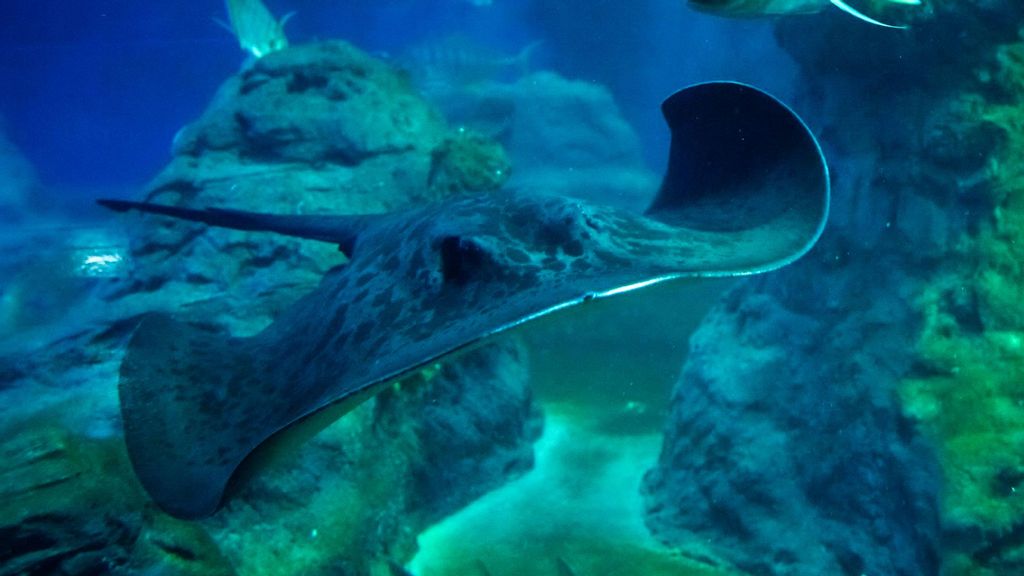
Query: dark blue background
{"points": [[93, 91]]}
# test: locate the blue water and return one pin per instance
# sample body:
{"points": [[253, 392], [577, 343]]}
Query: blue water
{"points": [[95, 91], [855, 412]]}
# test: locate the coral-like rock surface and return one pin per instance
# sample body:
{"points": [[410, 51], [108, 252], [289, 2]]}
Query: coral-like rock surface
{"points": [[844, 416], [563, 137], [317, 128]]}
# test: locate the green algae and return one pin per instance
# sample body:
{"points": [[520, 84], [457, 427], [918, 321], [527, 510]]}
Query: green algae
{"points": [[968, 394], [296, 521], [972, 403], [49, 470], [467, 162], [69, 504], [178, 548]]}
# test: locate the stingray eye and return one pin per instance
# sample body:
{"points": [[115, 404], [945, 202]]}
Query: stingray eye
{"points": [[461, 259]]}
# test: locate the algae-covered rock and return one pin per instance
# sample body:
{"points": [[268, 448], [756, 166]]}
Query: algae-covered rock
{"points": [[350, 501], [320, 128], [468, 162], [784, 455], [476, 423], [966, 397], [177, 548], [943, 152], [808, 432], [68, 505], [563, 137], [966, 394], [320, 102], [353, 499], [313, 129]]}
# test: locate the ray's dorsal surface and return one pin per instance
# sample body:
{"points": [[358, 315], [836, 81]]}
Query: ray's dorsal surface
{"points": [[746, 191]]}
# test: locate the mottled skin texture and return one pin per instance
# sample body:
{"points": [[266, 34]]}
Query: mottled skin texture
{"points": [[746, 191]]}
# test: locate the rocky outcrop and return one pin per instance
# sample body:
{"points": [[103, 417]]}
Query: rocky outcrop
{"points": [[355, 496], [318, 128], [785, 446], [563, 137], [71, 507], [788, 445], [353, 499]]}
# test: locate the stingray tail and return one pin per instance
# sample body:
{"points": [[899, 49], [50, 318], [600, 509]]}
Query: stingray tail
{"points": [[341, 230], [741, 160], [185, 430]]}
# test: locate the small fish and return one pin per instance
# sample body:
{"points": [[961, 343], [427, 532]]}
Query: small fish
{"points": [[457, 61], [753, 8], [258, 32]]}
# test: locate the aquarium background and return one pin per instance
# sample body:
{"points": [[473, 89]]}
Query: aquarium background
{"points": [[120, 78], [858, 412]]}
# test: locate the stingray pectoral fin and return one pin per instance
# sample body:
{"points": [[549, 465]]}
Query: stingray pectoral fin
{"points": [[744, 168], [341, 230], [176, 380], [195, 404]]}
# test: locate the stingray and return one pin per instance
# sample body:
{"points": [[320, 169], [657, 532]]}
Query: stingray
{"points": [[746, 191]]}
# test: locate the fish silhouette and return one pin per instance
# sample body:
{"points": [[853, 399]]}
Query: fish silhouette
{"points": [[746, 191], [748, 8], [256, 29]]}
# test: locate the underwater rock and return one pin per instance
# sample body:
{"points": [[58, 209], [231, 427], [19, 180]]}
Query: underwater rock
{"points": [[357, 140], [477, 422], [788, 454], [934, 52], [467, 162], [70, 505], [563, 136], [955, 157], [314, 128], [897, 109], [788, 445], [965, 393], [320, 102], [176, 548], [353, 498], [574, 141]]}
